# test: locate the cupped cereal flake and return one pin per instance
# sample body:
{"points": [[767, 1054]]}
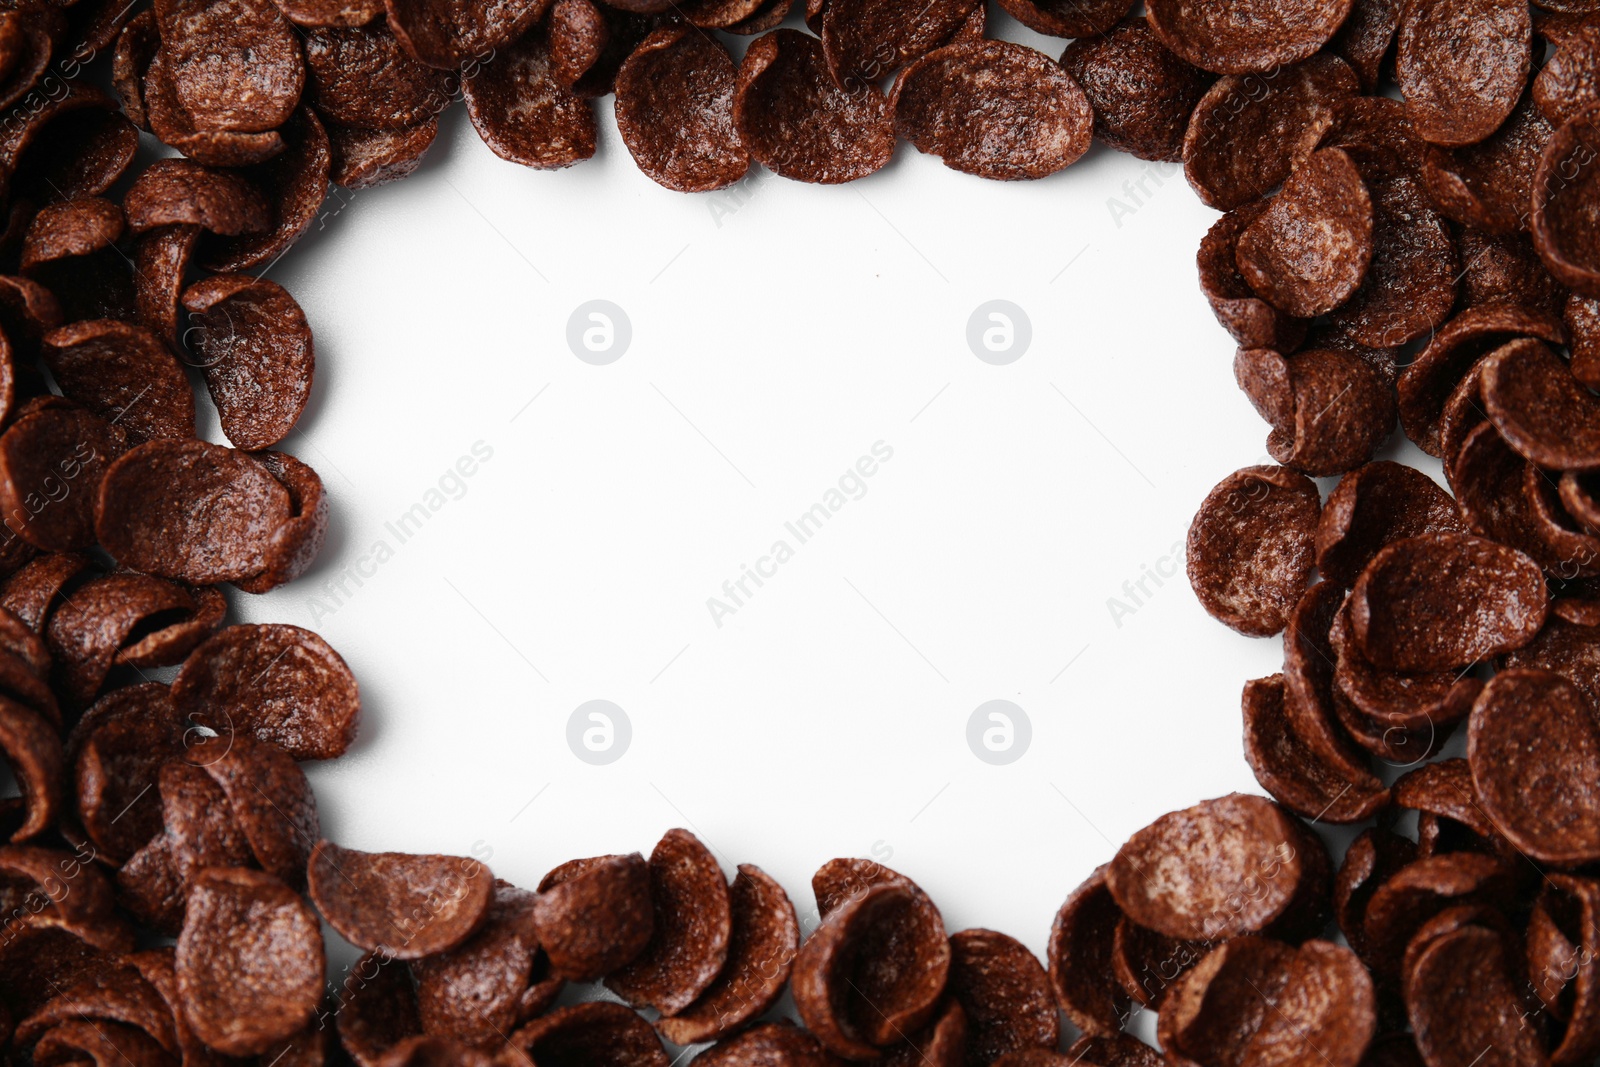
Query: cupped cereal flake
{"points": [[594, 916], [1534, 748], [1341, 410], [1445, 600], [1462, 997], [994, 109], [161, 261], [1247, 36], [1485, 185], [255, 349], [32, 748], [295, 181], [361, 77], [52, 462], [276, 682], [1569, 82], [1290, 770], [1004, 993], [450, 34], [1462, 66], [761, 949], [864, 40], [1423, 889], [1506, 269], [1375, 856], [1410, 284], [1565, 197], [595, 1034], [1374, 506], [1235, 865], [365, 159], [173, 192], [405, 906], [773, 1044], [798, 123], [250, 961], [1250, 547], [189, 510], [124, 374], [1248, 130], [1254, 323], [692, 929], [674, 111], [1141, 93], [1081, 950], [523, 114], [236, 65], [1309, 251]]}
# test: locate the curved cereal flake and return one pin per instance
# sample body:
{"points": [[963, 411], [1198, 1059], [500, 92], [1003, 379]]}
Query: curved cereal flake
{"points": [[1142, 95], [1081, 964], [53, 881], [1250, 547], [1309, 251], [1247, 131], [692, 929], [798, 124], [70, 248], [594, 916], [30, 36], [249, 962], [1462, 997], [1290, 770], [1247, 35], [172, 125], [1506, 269], [1004, 993], [135, 50], [1534, 749], [473, 993], [365, 159], [294, 546], [270, 798], [1342, 409], [1374, 506], [1443, 794], [1410, 284], [523, 114], [1253, 322], [1462, 66], [275, 682], [1445, 600], [944, 1042], [295, 181], [674, 111], [863, 40], [994, 109], [1579, 492], [406, 906], [118, 995], [1567, 647], [124, 374], [174, 192], [104, 1044], [872, 972], [114, 755], [1422, 890], [52, 463], [761, 951], [769, 16], [375, 1008], [1486, 185], [1237, 864], [1565, 193], [1374, 857], [1309, 663], [30, 593], [235, 64], [1147, 963], [579, 35], [774, 1044], [102, 616], [1214, 1010], [189, 510], [595, 1034], [1563, 937], [161, 260], [1540, 409], [1366, 36], [1118, 1050], [1061, 18], [1569, 82], [720, 14], [32, 748], [1427, 383], [1326, 1014], [361, 77], [66, 142], [255, 348], [450, 34]]}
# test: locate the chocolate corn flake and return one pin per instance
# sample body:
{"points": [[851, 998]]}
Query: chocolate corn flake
{"points": [[1250, 547], [404, 906], [674, 111]]}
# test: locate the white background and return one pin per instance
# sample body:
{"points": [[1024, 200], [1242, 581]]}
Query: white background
{"points": [[773, 344]]}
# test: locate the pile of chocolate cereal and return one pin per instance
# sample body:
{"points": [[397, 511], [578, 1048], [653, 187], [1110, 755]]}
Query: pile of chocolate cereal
{"points": [[1427, 258]]}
